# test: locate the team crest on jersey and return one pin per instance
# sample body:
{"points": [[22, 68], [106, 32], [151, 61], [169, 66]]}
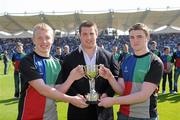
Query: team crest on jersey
{"points": [[125, 69]]}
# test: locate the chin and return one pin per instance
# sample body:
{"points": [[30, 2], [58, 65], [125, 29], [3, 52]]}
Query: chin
{"points": [[45, 51]]}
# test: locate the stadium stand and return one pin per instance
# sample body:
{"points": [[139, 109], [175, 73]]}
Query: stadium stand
{"points": [[169, 39]]}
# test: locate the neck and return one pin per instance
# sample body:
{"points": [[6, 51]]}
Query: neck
{"points": [[90, 51], [42, 54], [141, 52]]}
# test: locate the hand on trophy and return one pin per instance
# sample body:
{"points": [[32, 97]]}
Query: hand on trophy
{"points": [[77, 73], [107, 102], [79, 101], [105, 72], [104, 95]]}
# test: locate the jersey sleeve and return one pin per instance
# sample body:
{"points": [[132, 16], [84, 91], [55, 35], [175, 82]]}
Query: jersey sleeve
{"points": [[155, 72], [28, 70]]}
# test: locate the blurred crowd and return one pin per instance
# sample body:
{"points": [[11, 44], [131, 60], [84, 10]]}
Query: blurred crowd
{"points": [[108, 42]]}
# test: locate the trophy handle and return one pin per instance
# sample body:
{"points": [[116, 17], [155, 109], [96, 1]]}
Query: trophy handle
{"points": [[97, 68], [85, 70]]}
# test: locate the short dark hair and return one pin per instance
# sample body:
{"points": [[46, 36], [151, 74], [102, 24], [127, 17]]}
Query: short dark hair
{"points": [[140, 26], [87, 23], [153, 42], [58, 47]]}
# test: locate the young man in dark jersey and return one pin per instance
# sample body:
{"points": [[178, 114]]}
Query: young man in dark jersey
{"points": [[154, 48], [139, 77], [39, 71], [16, 59], [176, 57]]}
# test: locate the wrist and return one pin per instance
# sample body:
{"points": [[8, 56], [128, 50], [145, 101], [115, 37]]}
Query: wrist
{"points": [[68, 98], [111, 77], [71, 80], [116, 100]]}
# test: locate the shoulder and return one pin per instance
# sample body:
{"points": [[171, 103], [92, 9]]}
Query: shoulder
{"points": [[104, 52], [54, 57], [155, 59], [14, 54], [130, 57], [26, 61], [129, 60], [154, 56], [73, 54], [27, 58]]}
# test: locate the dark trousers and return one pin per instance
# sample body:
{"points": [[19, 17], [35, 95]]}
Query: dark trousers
{"points": [[169, 80], [176, 76], [5, 68], [16, 83]]}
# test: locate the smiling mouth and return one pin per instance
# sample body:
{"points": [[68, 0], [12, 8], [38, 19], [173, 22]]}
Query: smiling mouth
{"points": [[44, 46]]}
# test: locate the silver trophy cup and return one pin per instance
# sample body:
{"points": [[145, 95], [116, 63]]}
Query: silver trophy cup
{"points": [[91, 72]]}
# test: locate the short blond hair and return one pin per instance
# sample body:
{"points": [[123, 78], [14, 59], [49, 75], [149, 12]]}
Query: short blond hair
{"points": [[42, 26]]}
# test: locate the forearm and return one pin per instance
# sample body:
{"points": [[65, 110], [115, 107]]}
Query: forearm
{"points": [[59, 96], [48, 91], [138, 97], [64, 87], [115, 85], [53, 93]]}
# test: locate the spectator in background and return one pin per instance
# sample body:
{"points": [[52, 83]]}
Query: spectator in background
{"points": [[139, 77], [66, 49], [39, 72], [65, 52], [156, 52], [115, 53], [1, 56], [5, 61], [16, 58], [101, 45], [168, 64], [154, 48], [88, 53], [58, 54], [125, 53], [176, 57]]}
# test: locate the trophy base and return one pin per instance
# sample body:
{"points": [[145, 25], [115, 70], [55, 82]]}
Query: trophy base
{"points": [[92, 102]]}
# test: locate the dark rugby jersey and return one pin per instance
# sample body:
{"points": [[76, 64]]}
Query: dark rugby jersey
{"points": [[135, 70], [32, 105]]}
